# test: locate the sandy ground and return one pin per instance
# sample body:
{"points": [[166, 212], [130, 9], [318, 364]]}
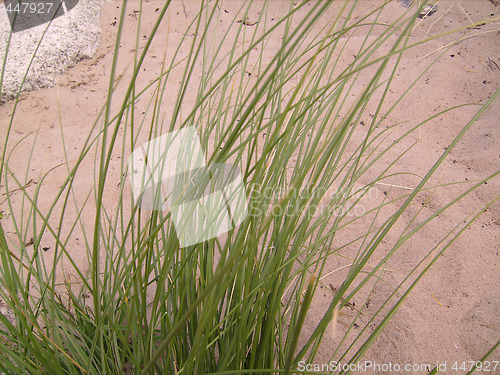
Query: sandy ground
{"points": [[453, 314]]}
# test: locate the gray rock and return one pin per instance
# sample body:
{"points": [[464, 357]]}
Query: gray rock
{"points": [[69, 38]]}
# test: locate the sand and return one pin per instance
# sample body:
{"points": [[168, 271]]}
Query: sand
{"points": [[453, 313]]}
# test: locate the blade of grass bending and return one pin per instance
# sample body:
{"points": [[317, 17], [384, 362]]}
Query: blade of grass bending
{"points": [[326, 318], [425, 259], [364, 348]]}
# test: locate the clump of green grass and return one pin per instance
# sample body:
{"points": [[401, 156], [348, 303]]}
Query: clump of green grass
{"points": [[235, 304]]}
